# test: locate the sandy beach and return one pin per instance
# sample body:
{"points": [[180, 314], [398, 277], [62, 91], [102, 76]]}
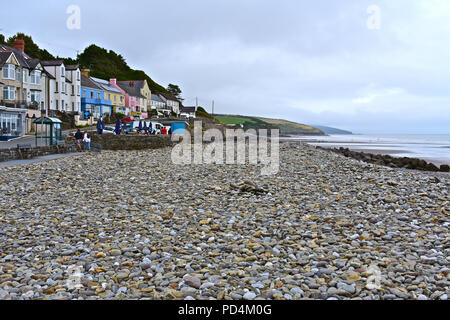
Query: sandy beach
{"points": [[318, 230]]}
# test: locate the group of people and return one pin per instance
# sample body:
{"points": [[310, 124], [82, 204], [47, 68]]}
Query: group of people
{"points": [[83, 141], [121, 128]]}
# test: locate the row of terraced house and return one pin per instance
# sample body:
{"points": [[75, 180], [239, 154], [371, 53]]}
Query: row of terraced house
{"points": [[32, 88]]}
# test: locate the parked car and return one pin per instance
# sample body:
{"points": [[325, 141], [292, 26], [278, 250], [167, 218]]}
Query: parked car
{"points": [[109, 129], [128, 119], [131, 131]]}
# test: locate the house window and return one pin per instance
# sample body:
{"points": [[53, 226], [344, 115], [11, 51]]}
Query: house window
{"points": [[57, 104], [73, 90], [92, 95], [62, 105], [115, 98], [17, 74], [78, 75], [9, 93], [78, 90], [98, 96], [24, 76], [8, 71], [63, 72], [73, 106], [56, 89], [36, 96], [36, 78]]}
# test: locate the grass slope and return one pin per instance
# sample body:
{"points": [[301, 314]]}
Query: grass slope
{"points": [[286, 127]]}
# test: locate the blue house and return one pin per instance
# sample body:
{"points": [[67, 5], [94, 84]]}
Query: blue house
{"points": [[93, 102]]}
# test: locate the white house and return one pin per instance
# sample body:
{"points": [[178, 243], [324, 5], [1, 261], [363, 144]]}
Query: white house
{"points": [[158, 104], [171, 102], [63, 86], [188, 112]]}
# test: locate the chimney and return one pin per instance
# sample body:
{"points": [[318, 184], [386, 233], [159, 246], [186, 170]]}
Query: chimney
{"points": [[19, 44], [113, 81], [85, 72]]}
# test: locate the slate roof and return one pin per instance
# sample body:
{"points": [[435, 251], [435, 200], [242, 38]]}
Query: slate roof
{"points": [[71, 67], [131, 87], [21, 56], [169, 97], [105, 85], [52, 63], [4, 56], [24, 60], [33, 63], [187, 109], [157, 98], [89, 83]]}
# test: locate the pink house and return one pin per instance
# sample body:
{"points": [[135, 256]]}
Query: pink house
{"points": [[133, 96]]}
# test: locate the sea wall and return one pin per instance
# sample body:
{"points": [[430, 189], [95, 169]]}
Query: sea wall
{"points": [[131, 142], [19, 154]]}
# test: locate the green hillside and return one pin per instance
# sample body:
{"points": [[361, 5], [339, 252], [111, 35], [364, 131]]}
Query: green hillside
{"points": [[286, 127], [103, 64], [330, 130]]}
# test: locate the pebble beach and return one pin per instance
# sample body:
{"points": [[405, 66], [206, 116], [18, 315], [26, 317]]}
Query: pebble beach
{"points": [[136, 226]]}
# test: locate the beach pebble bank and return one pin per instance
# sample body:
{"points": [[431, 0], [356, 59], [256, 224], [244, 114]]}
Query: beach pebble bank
{"points": [[132, 225]]}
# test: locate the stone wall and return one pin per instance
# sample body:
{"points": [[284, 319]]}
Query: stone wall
{"points": [[19, 154], [131, 142]]}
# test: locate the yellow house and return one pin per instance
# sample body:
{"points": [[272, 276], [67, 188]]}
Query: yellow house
{"points": [[10, 77]]}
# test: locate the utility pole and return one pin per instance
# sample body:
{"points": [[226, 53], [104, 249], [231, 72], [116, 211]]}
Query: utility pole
{"points": [[196, 103], [213, 108]]}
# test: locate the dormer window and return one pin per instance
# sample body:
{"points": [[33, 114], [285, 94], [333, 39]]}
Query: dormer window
{"points": [[63, 74]]}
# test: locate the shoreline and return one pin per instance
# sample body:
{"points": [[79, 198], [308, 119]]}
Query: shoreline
{"points": [[366, 148]]}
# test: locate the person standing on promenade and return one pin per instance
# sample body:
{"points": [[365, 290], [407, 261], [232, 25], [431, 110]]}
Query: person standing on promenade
{"points": [[118, 127], [100, 126], [87, 141], [79, 138]]}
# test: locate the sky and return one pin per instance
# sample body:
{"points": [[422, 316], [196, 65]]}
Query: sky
{"points": [[374, 67]]}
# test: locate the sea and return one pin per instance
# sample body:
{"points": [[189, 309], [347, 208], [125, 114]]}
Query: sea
{"points": [[432, 148]]}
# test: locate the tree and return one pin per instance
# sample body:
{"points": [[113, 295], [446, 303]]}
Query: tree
{"points": [[2, 39], [175, 90], [31, 48]]}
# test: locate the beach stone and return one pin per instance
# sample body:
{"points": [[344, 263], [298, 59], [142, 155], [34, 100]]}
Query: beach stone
{"points": [[192, 281], [249, 296], [115, 252]]}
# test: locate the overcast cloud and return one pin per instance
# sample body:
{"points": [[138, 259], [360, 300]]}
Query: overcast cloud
{"points": [[313, 62]]}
